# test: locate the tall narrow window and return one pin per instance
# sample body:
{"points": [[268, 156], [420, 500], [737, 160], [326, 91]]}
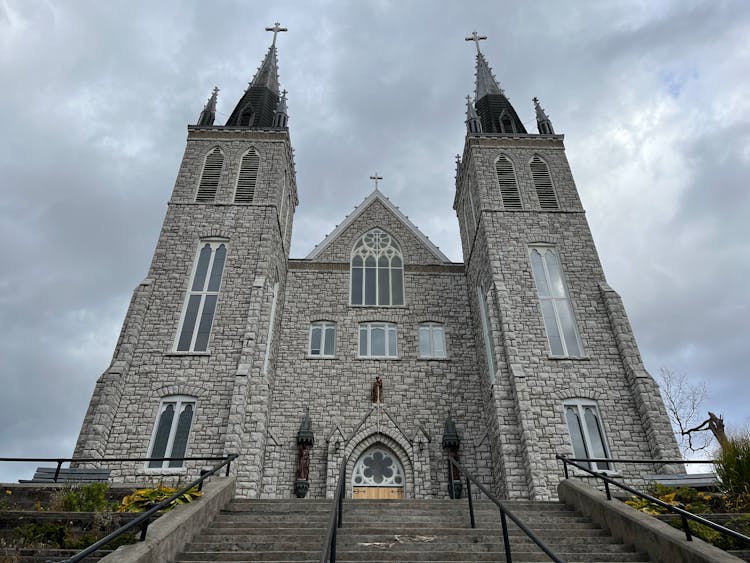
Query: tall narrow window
{"points": [[200, 305], [322, 340], [171, 431], [484, 315], [377, 276], [506, 181], [431, 341], [377, 340], [247, 177], [557, 312], [587, 433], [210, 175], [545, 192]]}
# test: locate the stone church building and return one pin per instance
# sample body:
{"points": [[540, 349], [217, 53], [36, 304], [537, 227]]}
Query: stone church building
{"points": [[375, 349]]}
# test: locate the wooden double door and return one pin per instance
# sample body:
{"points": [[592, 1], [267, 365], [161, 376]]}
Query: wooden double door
{"points": [[377, 492]]}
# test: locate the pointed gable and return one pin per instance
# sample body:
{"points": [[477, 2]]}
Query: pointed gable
{"points": [[377, 211]]}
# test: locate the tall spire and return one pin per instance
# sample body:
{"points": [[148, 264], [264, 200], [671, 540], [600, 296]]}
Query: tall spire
{"points": [[258, 105], [495, 111], [208, 114], [281, 118], [543, 123]]}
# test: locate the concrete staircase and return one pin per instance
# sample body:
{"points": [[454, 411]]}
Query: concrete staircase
{"points": [[400, 530]]}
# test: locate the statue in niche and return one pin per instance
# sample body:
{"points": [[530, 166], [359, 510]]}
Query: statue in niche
{"points": [[377, 390], [303, 463]]}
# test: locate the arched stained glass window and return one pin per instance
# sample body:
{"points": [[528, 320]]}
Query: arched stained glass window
{"points": [[377, 276], [171, 431]]}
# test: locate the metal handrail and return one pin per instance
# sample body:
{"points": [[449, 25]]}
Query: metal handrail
{"points": [[144, 519], [684, 514], [504, 512], [60, 460], [336, 520]]}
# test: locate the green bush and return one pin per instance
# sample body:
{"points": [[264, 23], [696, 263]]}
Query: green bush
{"points": [[87, 498], [733, 467]]}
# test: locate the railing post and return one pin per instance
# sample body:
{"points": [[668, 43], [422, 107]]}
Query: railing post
{"points": [[229, 463], [506, 539], [685, 524], [333, 546], [565, 467], [341, 502], [471, 502], [203, 472], [450, 479], [606, 488], [57, 471]]}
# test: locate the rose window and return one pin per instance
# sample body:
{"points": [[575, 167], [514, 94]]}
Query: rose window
{"points": [[378, 468]]}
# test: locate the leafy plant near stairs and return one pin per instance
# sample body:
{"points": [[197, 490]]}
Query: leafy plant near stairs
{"points": [[142, 498]]}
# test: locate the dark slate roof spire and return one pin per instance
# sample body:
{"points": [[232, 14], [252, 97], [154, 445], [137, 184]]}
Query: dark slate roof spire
{"points": [[543, 123], [493, 107], [208, 114], [257, 107]]}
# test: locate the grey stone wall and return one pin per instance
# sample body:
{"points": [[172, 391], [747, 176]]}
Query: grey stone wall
{"points": [[497, 254], [419, 393]]}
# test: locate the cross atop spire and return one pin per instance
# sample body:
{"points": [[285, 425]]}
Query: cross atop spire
{"points": [[476, 38], [276, 29], [376, 178]]}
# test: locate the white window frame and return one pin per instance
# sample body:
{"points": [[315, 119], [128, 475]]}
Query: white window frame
{"points": [[580, 405], [323, 326], [391, 335], [203, 293], [556, 301], [391, 251], [489, 345], [180, 401], [436, 335]]}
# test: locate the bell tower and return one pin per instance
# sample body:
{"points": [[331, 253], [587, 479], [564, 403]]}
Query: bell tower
{"points": [[194, 367], [560, 370]]}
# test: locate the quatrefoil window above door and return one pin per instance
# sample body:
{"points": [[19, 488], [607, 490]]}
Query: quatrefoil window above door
{"points": [[378, 474]]}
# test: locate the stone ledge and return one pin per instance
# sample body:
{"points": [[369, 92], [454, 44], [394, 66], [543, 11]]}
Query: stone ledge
{"points": [[172, 532], [661, 541]]}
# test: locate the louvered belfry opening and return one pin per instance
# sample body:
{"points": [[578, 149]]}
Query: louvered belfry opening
{"points": [[210, 176], [506, 181], [545, 191], [247, 178]]}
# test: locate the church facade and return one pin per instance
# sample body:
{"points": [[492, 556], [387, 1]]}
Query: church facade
{"points": [[375, 350]]}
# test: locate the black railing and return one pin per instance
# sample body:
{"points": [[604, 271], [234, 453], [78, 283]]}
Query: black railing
{"points": [[683, 514], [505, 513], [336, 520], [145, 518], [60, 460]]}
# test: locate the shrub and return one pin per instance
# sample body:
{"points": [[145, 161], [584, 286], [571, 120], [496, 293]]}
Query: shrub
{"points": [[140, 499], [733, 467]]}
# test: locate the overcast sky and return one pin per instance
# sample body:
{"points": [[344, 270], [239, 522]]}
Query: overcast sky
{"points": [[653, 99]]}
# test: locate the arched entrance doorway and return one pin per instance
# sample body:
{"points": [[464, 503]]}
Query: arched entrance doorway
{"points": [[378, 474]]}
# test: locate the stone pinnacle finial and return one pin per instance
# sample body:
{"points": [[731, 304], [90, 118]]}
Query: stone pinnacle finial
{"points": [[473, 123], [543, 123], [208, 115]]}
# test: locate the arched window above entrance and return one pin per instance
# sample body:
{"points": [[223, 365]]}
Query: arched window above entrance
{"points": [[378, 467]]}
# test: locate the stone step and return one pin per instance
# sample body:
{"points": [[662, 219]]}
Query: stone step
{"points": [[354, 519], [408, 543], [394, 527], [427, 555], [591, 530]]}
